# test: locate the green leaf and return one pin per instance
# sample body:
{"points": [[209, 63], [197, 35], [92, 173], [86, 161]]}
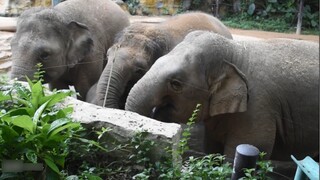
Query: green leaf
{"points": [[29, 82], [57, 123], [60, 160], [37, 94], [38, 113], [32, 156], [45, 128], [8, 134], [24, 122], [64, 112], [48, 160], [6, 118], [55, 98], [18, 112], [22, 91], [32, 137], [93, 177], [4, 97], [24, 102], [69, 125]]}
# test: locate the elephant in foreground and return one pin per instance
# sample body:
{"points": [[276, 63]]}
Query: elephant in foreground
{"points": [[137, 48], [263, 93], [70, 40]]}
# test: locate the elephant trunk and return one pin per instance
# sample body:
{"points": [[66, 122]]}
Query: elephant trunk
{"points": [[20, 73], [111, 87], [143, 97]]}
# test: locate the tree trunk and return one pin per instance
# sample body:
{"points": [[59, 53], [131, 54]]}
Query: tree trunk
{"points": [[300, 14], [236, 6], [217, 8]]}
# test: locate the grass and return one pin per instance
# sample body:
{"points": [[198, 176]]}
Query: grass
{"points": [[274, 25]]}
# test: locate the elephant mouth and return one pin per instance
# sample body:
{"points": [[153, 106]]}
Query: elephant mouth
{"points": [[163, 112]]}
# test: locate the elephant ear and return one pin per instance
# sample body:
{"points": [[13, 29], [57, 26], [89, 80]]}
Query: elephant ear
{"points": [[80, 44], [229, 92]]}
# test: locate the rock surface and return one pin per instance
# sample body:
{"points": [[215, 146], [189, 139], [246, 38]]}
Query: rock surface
{"points": [[125, 124]]}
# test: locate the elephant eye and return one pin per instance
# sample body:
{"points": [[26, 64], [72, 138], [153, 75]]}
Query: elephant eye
{"points": [[176, 85], [140, 71], [44, 56]]}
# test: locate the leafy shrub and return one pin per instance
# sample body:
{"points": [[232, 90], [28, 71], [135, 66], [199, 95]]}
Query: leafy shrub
{"points": [[32, 128], [286, 10], [133, 6]]}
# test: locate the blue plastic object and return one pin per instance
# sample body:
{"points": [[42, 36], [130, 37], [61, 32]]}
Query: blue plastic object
{"points": [[55, 2], [306, 169]]}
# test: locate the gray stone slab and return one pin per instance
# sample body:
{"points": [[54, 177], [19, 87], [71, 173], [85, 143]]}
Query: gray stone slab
{"points": [[125, 124]]}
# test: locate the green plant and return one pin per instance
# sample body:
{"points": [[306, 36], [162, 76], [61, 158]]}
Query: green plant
{"points": [[33, 128], [310, 18], [260, 173], [207, 167], [133, 6], [165, 11], [141, 149], [196, 3], [146, 11], [275, 15], [183, 143]]}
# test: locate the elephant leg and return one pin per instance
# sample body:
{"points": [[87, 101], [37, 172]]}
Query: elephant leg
{"points": [[196, 142], [283, 169], [260, 134]]}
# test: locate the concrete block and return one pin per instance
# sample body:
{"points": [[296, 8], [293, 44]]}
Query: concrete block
{"points": [[125, 124]]}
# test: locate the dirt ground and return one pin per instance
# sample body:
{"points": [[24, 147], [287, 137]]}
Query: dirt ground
{"points": [[270, 35]]}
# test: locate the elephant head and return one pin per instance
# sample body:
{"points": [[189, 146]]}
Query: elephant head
{"points": [[197, 73], [135, 50], [139, 46], [46, 36]]}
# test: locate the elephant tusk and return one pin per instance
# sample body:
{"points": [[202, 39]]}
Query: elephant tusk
{"points": [[154, 110]]}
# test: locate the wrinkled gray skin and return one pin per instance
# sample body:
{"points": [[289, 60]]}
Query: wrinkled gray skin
{"points": [[139, 46], [70, 40], [263, 93]]}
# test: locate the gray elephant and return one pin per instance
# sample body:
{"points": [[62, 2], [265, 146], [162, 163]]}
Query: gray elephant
{"points": [[70, 40], [263, 93], [139, 46]]}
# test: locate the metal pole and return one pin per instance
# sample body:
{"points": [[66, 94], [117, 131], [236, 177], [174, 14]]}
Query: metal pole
{"points": [[245, 158]]}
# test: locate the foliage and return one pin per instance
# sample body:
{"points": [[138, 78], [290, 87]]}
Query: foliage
{"points": [[263, 168], [310, 18], [165, 11], [133, 6], [285, 10], [249, 22], [32, 128], [207, 167], [196, 3], [269, 15]]}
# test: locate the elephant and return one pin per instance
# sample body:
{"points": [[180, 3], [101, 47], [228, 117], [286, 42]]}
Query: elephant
{"points": [[70, 40], [264, 93], [138, 46]]}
